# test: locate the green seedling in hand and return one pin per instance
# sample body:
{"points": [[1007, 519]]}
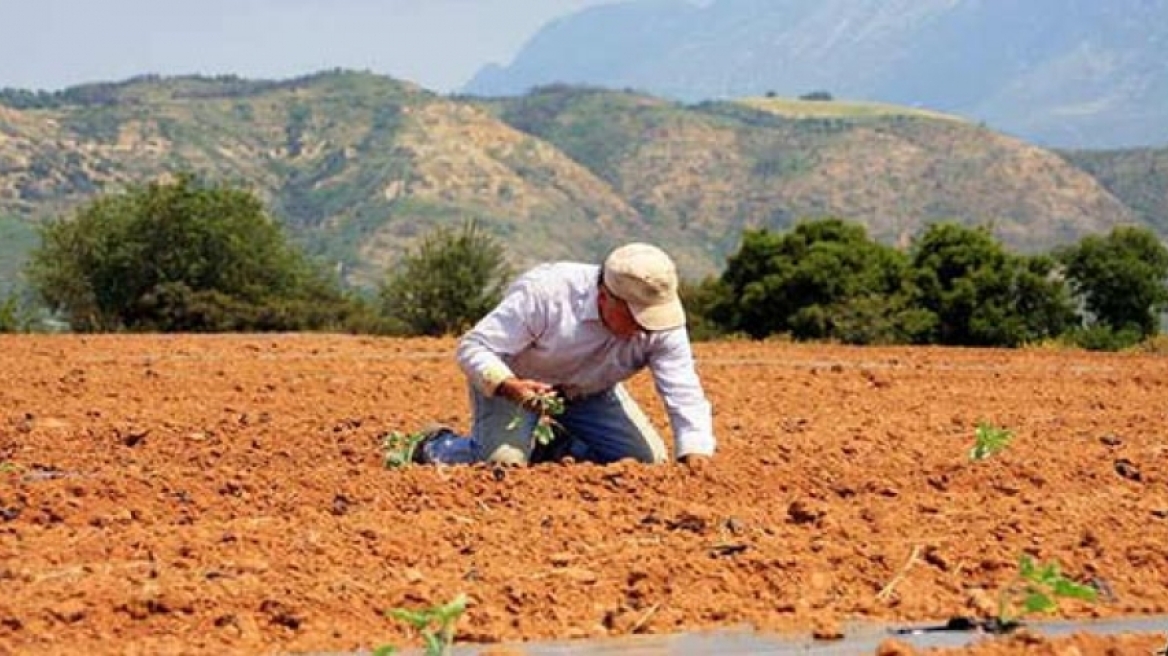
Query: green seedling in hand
{"points": [[989, 440], [398, 448], [547, 407], [436, 624], [1037, 589]]}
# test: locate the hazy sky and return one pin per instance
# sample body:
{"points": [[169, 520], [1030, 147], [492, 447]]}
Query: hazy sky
{"points": [[439, 44]]}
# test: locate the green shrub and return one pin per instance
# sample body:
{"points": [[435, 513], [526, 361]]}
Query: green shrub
{"points": [[447, 283], [1101, 337], [1120, 278], [181, 256]]}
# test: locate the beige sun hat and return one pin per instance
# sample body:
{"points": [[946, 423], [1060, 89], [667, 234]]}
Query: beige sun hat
{"points": [[644, 276]]}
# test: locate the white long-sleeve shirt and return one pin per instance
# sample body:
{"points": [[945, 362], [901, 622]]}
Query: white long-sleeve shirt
{"points": [[548, 328]]}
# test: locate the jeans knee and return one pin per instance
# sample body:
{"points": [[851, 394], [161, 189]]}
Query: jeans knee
{"points": [[506, 454]]}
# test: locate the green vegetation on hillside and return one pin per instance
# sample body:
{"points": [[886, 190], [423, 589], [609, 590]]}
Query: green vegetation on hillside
{"points": [[17, 239], [702, 174], [1138, 177], [358, 166], [188, 256], [152, 89], [594, 127]]}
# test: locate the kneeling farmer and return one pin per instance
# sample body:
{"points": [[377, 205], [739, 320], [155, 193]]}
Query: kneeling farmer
{"points": [[579, 331]]}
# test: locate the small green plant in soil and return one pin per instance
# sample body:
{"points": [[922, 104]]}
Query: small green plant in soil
{"points": [[398, 448], [436, 624], [9, 467], [989, 440], [1037, 589], [547, 407]]}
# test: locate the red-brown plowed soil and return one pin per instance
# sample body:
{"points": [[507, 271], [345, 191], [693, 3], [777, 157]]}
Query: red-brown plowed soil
{"points": [[176, 494]]}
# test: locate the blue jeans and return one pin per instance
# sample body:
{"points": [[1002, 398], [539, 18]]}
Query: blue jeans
{"points": [[601, 428]]}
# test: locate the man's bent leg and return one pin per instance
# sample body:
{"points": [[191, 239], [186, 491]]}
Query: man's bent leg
{"points": [[610, 426], [501, 431], [493, 436]]}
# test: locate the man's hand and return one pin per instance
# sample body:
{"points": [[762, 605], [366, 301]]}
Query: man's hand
{"points": [[523, 391]]}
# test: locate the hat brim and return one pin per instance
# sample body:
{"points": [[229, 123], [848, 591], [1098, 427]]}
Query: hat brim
{"points": [[662, 316]]}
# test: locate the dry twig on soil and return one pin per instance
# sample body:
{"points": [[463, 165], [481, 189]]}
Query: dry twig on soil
{"points": [[886, 592]]}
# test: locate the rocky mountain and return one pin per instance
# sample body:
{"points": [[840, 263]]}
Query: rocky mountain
{"points": [[706, 172], [357, 166], [1138, 177], [1059, 73]]}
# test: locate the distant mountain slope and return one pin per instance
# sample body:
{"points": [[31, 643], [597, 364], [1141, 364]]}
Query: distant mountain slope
{"points": [[1138, 177], [357, 166], [711, 170], [1070, 73]]}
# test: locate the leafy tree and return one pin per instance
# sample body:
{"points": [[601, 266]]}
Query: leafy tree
{"points": [[447, 282], [178, 256], [1041, 297], [982, 295], [1120, 278], [700, 298], [824, 279]]}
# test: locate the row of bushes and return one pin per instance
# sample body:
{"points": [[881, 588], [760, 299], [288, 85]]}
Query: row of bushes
{"points": [[186, 256], [955, 285]]}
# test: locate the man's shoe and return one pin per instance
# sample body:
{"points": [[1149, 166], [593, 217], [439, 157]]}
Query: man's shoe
{"points": [[410, 448], [423, 438]]}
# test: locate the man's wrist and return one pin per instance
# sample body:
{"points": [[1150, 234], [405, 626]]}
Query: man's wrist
{"points": [[492, 377], [507, 389]]}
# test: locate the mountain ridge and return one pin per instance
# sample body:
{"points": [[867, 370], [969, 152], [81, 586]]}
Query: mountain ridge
{"points": [[1065, 73], [357, 166]]}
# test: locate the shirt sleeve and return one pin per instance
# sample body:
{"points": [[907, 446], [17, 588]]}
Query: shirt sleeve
{"points": [[512, 326], [677, 382]]}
